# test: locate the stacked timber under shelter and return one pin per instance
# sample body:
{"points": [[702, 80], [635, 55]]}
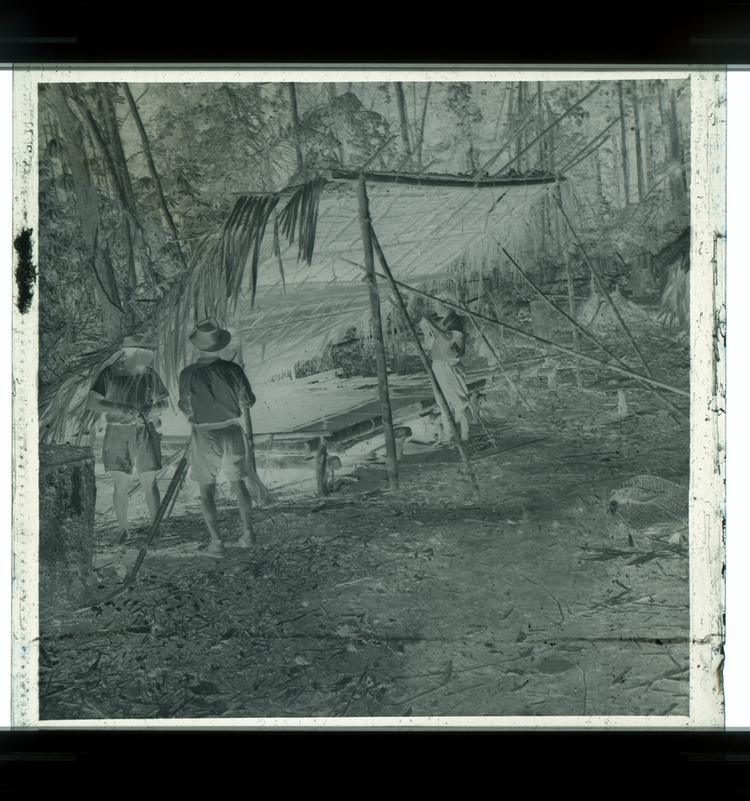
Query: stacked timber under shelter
{"points": [[404, 567]]}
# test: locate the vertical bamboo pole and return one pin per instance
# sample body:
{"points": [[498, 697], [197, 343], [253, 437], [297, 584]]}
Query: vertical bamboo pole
{"points": [[377, 334], [442, 402], [257, 488]]}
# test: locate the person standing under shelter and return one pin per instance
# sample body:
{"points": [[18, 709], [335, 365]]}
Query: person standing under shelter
{"points": [[446, 343], [132, 396], [214, 393]]}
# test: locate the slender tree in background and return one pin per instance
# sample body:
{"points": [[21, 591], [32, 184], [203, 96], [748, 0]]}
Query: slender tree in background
{"points": [[162, 201], [295, 124], [640, 167], [624, 144], [420, 141], [403, 119], [680, 181]]}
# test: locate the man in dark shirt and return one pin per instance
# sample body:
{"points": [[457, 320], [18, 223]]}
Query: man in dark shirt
{"points": [[214, 393], [131, 394]]}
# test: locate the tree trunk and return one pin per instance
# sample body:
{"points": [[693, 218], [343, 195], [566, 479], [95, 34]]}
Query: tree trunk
{"points": [[679, 182], [163, 208], [340, 146], [421, 126], [521, 140], [640, 169], [295, 125], [543, 165], [624, 140], [67, 494], [87, 202], [403, 119], [640, 283], [135, 232]]}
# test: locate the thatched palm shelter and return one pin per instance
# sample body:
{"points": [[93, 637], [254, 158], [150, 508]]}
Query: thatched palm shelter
{"points": [[290, 271], [286, 271]]}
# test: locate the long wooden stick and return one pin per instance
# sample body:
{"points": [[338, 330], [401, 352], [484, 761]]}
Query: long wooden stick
{"points": [[164, 510], [377, 335], [603, 289], [540, 341], [436, 388]]}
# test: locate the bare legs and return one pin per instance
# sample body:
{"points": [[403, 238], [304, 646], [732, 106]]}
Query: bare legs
{"points": [[208, 504], [151, 490], [245, 503], [121, 483], [462, 421]]}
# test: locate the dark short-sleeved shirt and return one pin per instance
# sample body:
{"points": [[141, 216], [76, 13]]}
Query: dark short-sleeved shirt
{"points": [[142, 390], [214, 391]]}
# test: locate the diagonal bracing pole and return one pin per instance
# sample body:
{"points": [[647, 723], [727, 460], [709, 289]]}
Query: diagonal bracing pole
{"points": [[442, 402], [603, 289], [546, 342]]}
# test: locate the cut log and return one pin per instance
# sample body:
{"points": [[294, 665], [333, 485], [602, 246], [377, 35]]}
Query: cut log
{"points": [[67, 494]]}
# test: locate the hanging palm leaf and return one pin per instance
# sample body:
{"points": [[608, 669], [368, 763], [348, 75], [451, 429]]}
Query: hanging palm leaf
{"points": [[299, 218]]}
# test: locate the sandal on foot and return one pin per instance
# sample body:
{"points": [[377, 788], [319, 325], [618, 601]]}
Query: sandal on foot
{"points": [[214, 549], [246, 541]]}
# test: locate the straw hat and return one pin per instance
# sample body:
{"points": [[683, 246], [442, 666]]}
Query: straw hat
{"points": [[209, 337]]}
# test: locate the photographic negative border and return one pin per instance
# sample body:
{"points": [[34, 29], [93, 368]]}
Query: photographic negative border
{"points": [[707, 381]]}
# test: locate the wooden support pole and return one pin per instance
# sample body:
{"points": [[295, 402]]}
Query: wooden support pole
{"points": [[256, 487], [377, 334], [436, 388]]}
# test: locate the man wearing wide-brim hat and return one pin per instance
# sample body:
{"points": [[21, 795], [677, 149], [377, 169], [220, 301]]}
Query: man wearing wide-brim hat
{"points": [[214, 393], [132, 396]]}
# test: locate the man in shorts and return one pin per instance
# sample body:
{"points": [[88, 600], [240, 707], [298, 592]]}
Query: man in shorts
{"points": [[214, 393], [132, 396]]}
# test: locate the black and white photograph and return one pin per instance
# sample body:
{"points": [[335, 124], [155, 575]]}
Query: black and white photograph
{"points": [[371, 398]]}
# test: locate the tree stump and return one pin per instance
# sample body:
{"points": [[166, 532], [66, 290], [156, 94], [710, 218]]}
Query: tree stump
{"points": [[67, 495]]}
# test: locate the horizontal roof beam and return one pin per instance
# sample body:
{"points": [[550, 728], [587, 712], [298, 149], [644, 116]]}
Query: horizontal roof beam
{"points": [[421, 179], [440, 180]]}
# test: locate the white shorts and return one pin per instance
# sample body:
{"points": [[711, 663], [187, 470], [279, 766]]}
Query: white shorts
{"points": [[218, 448]]}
